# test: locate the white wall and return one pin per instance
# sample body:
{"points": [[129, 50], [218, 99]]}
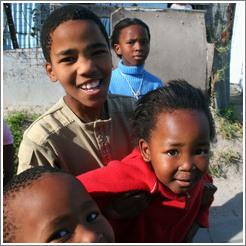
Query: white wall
{"points": [[178, 46], [178, 50], [25, 81], [238, 47]]}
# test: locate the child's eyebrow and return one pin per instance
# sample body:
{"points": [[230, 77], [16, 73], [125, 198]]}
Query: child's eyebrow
{"points": [[88, 204], [65, 52], [53, 223], [97, 45], [177, 144], [89, 47], [59, 219]]}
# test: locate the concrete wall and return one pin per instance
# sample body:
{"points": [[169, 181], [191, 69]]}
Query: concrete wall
{"points": [[178, 47], [178, 50], [25, 81]]}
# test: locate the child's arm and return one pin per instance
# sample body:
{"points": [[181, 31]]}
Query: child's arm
{"points": [[208, 192], [8, 162], [129, 184], [206, 200], [207, 197], [127, 205]]}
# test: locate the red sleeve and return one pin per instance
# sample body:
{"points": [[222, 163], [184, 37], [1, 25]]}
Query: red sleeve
{"points": [[132, 173], [203, 215]]}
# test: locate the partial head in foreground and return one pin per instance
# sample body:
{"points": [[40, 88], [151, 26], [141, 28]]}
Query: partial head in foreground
{"points": [[48, 205], [174, 127]]}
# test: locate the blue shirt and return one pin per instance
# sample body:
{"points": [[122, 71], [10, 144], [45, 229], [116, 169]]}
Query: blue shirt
{"points": [[133, 75]]}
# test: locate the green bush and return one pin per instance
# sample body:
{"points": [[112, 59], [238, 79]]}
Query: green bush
{"points": [[228, 124], [18, 122]]}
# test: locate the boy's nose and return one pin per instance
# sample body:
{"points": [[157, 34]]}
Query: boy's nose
{"points": [[88, 236], [86, 67]]}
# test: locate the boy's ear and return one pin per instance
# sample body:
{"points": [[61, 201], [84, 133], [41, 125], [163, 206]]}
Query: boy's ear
{"points": [[145, 151], [50, 72], [117, 49]]}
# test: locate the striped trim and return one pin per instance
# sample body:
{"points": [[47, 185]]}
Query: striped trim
{"points": [[153, 189]]}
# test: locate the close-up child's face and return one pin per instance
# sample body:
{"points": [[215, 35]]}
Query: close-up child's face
{"points": [[134, 45], [81, 61], [179, 149], [58, 209]]}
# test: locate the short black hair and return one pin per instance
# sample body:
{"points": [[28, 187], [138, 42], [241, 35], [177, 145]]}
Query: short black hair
{"points": [[123, 24], [19, 183], [176, 94], [63, 14]]}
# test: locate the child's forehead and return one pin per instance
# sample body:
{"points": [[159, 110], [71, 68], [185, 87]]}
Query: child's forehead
{"points": [[70, 22], [55, 185], [74, 30], [134, 25], [182, 115], [49, 179], [54, 177]]}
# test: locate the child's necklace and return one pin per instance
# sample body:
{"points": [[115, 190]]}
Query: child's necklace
{"points": [[135, 94]]}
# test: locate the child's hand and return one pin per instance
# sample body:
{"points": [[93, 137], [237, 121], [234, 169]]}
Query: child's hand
{"points": [[208, 191], [127, 205]]}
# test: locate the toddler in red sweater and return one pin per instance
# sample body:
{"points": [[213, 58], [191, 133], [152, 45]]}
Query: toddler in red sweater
{"points": [[173, 127]]}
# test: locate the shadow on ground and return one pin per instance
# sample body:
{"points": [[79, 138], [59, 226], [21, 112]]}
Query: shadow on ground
{"points": [[226, 223]]}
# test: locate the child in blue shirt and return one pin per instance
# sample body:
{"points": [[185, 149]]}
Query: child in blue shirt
{"points": [[131, 42]]}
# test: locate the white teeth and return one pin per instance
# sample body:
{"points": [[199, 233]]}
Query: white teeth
{"points": [[95, 83], [90, 86]]}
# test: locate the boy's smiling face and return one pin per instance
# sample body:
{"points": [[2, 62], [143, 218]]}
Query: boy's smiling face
{"points": [[81, 61], [178, 149], [57, 209]]}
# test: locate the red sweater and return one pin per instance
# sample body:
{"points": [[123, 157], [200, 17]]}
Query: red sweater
{"points": [[168, 217]]}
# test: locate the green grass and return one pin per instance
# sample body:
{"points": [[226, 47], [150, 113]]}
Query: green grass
{"points": [[228, 127], [214, 171], [228, 124], [18, 122]]}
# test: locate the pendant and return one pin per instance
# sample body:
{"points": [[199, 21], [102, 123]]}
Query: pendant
{"points": [[135, 95]]}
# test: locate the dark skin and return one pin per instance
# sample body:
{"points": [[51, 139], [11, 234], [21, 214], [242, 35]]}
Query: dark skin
{"points": [[80, 56], [127, 205], [8, 163], [174, 169]]}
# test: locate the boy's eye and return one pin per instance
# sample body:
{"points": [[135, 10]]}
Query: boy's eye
{"points": [[67, 59], [99, 52], [92, 216], [201, 152], [172, 152], [59, 234]]}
